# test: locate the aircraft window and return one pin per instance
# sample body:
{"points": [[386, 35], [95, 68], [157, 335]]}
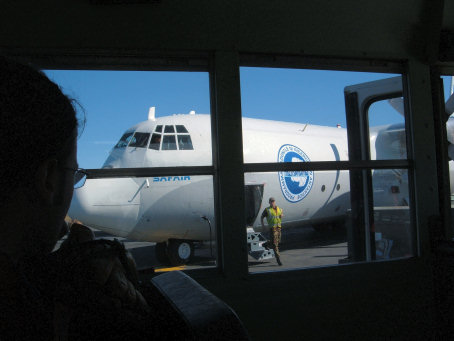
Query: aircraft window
{"points": [[184, 142], [169, 129], [155, 141], [124, 141], [181, 129], [169, 142], [139, 140], [158, 129]]}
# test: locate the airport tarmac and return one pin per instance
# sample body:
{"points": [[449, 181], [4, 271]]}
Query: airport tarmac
{"points": [[300, 248]]}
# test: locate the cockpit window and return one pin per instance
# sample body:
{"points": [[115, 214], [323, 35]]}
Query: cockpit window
{"points": [[181, 129], [155, 141], [184, 142], [124, 140], [169, 138], [169, 129], [169, 142], [139, 140]]}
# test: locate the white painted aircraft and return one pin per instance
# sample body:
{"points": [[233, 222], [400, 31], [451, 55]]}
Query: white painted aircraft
{"points": [[175, 211]]}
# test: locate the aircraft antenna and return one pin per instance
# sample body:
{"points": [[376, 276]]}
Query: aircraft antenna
{"points": [[151, 114]]}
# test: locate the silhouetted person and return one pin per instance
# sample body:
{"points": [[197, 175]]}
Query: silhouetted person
{"points": [[86, 289], [38, 133]]}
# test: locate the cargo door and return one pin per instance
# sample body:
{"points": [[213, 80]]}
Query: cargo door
{"points": [[253, 199]]}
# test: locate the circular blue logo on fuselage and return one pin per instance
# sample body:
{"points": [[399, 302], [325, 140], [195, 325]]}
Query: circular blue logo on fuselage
{"points": [[295, 185]]}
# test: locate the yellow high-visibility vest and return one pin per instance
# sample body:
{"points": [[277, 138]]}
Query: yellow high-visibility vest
{"points": [[273, 216]]}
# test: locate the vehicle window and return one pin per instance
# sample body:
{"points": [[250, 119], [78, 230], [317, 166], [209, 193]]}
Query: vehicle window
{"points": [[181, 129], [139, 140], [169, 142], [169, 129], [139, 194], [322, 222], [184, 142], [124, 141], [448, 86], [155, 141]]}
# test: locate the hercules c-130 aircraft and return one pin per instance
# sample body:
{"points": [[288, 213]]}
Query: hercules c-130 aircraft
{"points": [[175, 211]]}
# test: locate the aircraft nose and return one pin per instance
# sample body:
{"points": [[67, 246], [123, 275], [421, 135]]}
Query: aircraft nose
{"points": [[79, 208], [111, 205]]}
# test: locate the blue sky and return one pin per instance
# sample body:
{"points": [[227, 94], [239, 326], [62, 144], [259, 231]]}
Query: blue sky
{"points": [[447, 85], [116, 100]]}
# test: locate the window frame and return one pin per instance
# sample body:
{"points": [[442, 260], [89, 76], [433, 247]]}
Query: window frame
{"points": [[436, 72], [145, 145], [228, 168], [158, 144], [361, 165], [172, 128], [169, 136], [126, 141], [190, 141]]}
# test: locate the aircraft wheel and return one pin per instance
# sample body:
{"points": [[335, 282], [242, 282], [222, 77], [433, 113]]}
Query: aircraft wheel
{"points": [[161, 253], [180, 251]]}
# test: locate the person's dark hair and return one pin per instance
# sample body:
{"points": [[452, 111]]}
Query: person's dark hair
{"points": [[36, 123]]}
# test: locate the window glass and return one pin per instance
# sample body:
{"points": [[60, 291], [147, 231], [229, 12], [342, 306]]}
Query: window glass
{"points": [[393, 233], [169, 142], [151, 215], [139, 140], [167, 232], [387, 129], [300, 116], [155, 141], [181, 129], [313, 229], [322, 230], [116, 103], [448, 86], [169, 129], [300, 108], [124, 140], [184, 142]]}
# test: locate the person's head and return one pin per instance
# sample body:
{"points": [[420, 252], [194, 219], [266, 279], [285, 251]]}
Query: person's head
{"points": [[38, 133], [272, 202]]}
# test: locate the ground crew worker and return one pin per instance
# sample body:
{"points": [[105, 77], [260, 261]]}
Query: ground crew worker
{"points": [[274, 215]]}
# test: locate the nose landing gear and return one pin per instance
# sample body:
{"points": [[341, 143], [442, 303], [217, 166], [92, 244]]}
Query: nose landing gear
{"points": [[180, 251], [175, 252]]}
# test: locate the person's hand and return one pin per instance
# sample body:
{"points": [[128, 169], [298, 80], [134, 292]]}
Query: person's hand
{"points": [[79, 233], [104, 269]]}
